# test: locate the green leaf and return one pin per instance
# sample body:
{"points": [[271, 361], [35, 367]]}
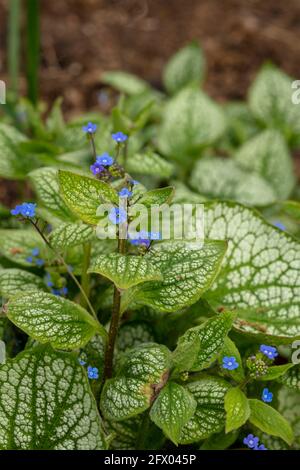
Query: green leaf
{"points": [[17, 245], [83, 195], [270, 101], [141, 375], [185, 67], [292, 378], [51, 319], [45, 184], [191, 121], [260, 275], [292, 208], [209, 418], [270, 421], [172, 409], [157, 196], [124, 82], [229, 349], [12, 163], [188, 271], [275, 372], [14, 281], [186, 353], [221, 178], [237, 409], [268, 155], [149, 163], [125, 271], [46, 404], [68, 235], [133, 334], [123, 398], [211, 334]]}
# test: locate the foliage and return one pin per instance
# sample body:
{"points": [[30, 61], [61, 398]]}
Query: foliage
{"points": [[138, 341]]}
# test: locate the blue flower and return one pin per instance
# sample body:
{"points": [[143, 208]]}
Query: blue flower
{"points": [[267, 396], [81, 362], [27, 209], [140, 242], [64, 291], [279, 225], [90, 128], [35, 252], [105, 159], [134, 182], [125, 193], [155, 236], [260, 447], [96, 168], [93, 372], [29, 259], [39, 262], [117, 215], [119, 137], [251, 441], [268, 351], [230, 363], [55, 292]]}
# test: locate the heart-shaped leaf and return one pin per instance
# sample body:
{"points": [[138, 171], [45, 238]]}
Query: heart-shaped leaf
{"points": [[124, 82], [157, 196], [268, 155], [51, 319], [83, 195], [12, 163], [172, 409], [149, 163], [260, 275], [125, 270], [185, 67], [209, 417], [17, 245], [211, 334], [188, 270], [46, 404], [191, 121]]}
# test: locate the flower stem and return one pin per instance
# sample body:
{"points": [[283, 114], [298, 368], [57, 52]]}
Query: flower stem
{"points": [[85, 278], [91, 137], [35, 225], [114, 324]]}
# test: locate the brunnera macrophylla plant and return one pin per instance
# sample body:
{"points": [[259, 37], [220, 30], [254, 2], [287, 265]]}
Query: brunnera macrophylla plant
{"points": [[135, 341]]}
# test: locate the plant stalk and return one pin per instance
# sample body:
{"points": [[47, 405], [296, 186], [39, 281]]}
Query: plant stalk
{"points": [[114, 324], [85, 277]]}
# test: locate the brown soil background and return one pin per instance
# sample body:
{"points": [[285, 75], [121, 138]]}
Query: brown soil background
{"points": [[83, 38]]}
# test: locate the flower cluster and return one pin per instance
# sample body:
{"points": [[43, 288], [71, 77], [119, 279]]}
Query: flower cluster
{"points": [[102, 162], [34, 258], [58, 291], [27, 210], [230, 363], [93, 373], [144, 238], [125, 193], [253, 443]]}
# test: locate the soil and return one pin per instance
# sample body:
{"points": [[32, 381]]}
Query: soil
{"points": [[83, 38]]}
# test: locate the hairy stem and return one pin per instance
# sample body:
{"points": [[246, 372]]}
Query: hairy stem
{"points": [[85, 278], [91, 137], [35, 225], [114, 324]]}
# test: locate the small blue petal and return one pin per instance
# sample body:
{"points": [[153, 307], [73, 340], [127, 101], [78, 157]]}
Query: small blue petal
{"points": [[90, 128], [119, 137], [268, 351], [35, 252], [117, 215], [105, 159], [125, 193]]}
